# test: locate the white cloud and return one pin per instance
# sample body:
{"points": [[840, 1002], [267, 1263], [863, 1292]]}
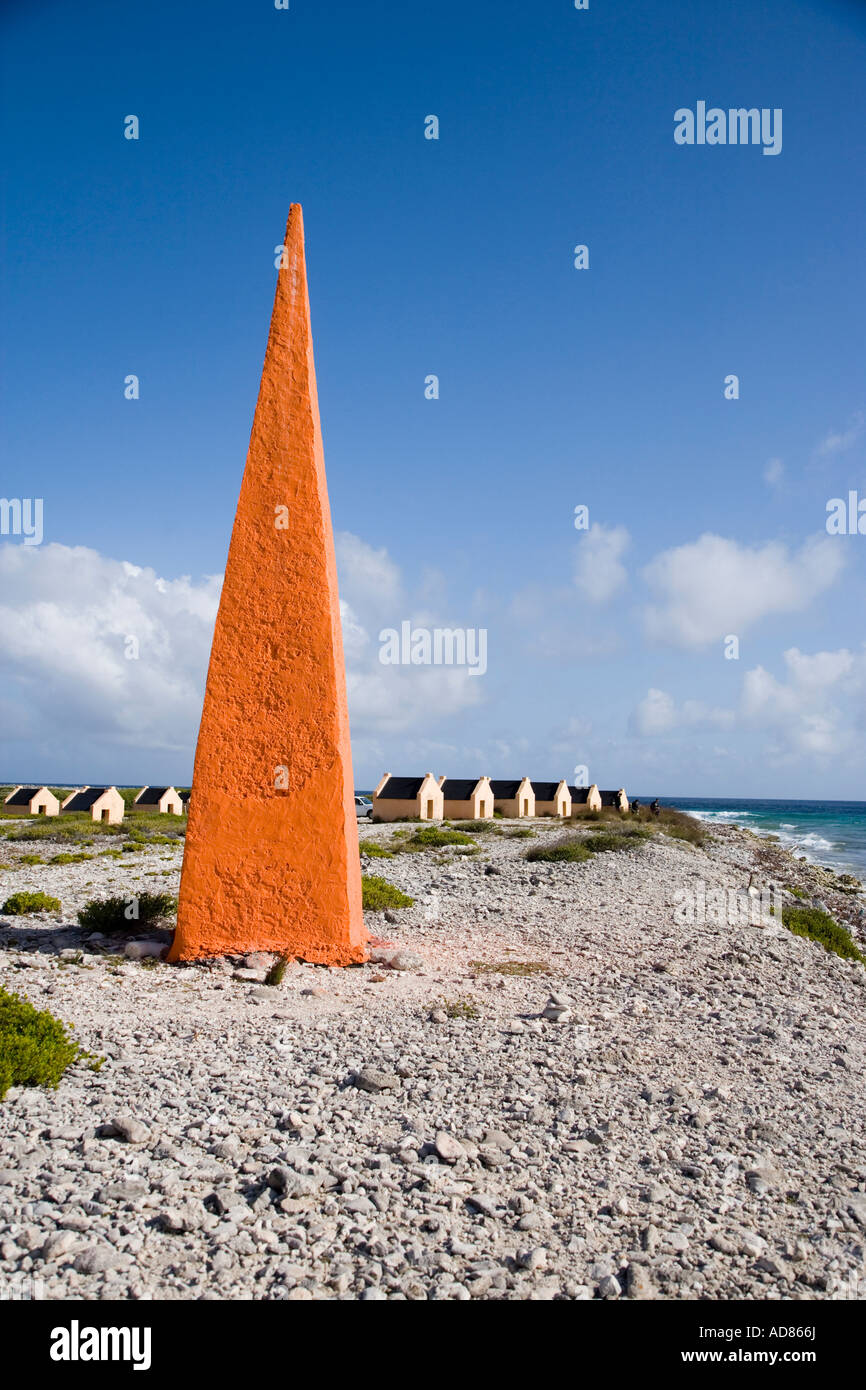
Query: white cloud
{"points": [[714, 587], [598, 571], [66, 615], [657, 713], [368, 577], [817, 710], [71, 696], [839, 441], [774, 472]]}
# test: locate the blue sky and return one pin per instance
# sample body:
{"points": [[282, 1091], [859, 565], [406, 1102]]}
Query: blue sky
{"points": [[557, 386]]}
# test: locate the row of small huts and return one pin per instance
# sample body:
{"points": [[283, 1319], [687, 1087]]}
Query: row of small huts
{"points": [[455, 798], [103, 803]]}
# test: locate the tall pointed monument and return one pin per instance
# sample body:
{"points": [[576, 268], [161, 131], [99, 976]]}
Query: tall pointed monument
{"points": [[271, 860]]}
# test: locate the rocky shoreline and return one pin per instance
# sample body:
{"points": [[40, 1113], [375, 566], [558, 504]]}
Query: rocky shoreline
{"points": [[545, 1084]]}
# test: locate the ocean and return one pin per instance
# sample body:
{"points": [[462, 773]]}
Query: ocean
{"points": [[826, 832]]}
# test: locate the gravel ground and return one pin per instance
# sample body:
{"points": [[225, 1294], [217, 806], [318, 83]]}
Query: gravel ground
{"points": [[547, 1083]]}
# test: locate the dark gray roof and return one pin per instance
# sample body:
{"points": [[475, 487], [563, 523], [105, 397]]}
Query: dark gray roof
{"points": [[609, 798], [580, 795], [184, 796], [151, 796], [401, 788], [459, 788], [506, 790], [82, 801], [23, 796], [545, 791]]}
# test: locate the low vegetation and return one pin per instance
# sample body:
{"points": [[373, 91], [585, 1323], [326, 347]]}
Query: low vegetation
{"points": [[433, 837], [459, 1008], [566, 851], [374, 851], [35, 1048], [523, 833], [479, 827], [77, 826], [129, 913], [378, 894], [819, 926], [615, 840], [21, 903], [277, 971], [70, 858]]}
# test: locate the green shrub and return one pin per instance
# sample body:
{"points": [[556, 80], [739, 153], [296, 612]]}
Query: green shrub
{"points": [[379, 894], [613, 840], [524, 833], [20, 903], [35, 1048], [31, 859], [567, 851], [681, 826], [797, 892], [277, 971], [110, 914], [432, 837], [819, 926], [459, 1008], [478, 827], [375, 851], [70, 858]]}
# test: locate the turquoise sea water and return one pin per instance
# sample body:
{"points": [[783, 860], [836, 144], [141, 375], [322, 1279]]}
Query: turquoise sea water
{"points": [[826, 832]]}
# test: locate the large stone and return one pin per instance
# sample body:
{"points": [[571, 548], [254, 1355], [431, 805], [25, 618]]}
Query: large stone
{"points": [[271, 859], [375, 1079], [142, 950], [127, 1128], [449, 1149]]}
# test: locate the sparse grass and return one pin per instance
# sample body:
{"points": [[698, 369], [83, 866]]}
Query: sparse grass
{"points": [[374, 851], [479, 827], [819, 926], [459, 1008], [21, 903], [35, 1048], [566, 851], [797, 892], [277, 971], [524, 833], [126, 913], [511, 967]]}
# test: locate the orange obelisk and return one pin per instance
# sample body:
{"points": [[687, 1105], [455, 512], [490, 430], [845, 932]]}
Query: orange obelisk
{"points": [[271, 860]]}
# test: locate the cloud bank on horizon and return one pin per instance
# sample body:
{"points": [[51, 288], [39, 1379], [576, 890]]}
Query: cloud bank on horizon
{"points": [[103, 662]]}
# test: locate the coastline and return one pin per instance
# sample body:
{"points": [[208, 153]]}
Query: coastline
{"points": [[687, 1122]]}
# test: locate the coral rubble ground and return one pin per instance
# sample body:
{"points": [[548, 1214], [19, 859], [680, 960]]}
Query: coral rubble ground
{"points": [[545, 1084]]}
